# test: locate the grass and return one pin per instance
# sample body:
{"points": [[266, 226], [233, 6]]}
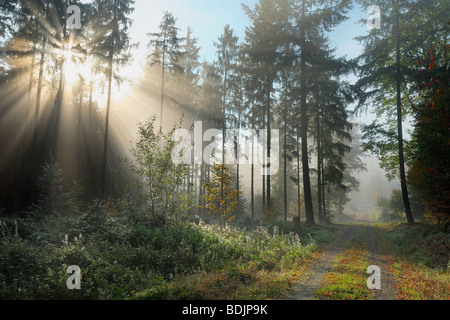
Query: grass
{"points": [[420, 283], [348, 279], [418, 259], [417, 256], [268, 264], [121, 258], [248, 284]]}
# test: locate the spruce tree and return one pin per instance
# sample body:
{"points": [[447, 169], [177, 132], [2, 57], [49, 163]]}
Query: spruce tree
{"points": [[165, 47], [387, 66], [116, 43], [227, 54], [311, 18], [264, 42], [189, 62]]}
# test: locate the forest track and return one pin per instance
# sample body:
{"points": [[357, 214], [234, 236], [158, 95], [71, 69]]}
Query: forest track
{"points": [[306, 289], [376, 258]]}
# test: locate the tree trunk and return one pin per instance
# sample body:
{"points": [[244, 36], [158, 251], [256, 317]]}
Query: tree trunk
{"points": [[401, 158], [30, 82], [91, 89], [196, 181], [319, 167], [269, 137], [253, 178], [299, 193], [324, 209], [108, 109], [21, 152], [105, 142], [34, 143], [80, 140], [58, 108], [263, 177], [80, 114], [163, 66], [61, 89], [189, 186], [285, 166], [224, 128], [200, 190], [238, 156], [309, 211]]}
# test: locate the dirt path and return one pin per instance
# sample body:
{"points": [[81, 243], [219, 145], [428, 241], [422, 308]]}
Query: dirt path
{"points": [[305, 289], [376, 258], [312, 282]]}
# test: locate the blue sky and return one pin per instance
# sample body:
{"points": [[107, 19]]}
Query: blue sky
{"points": [[207, 19]]}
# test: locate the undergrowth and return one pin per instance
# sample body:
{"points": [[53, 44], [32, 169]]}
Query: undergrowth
{"points": [[149, 258], [419, 259]]}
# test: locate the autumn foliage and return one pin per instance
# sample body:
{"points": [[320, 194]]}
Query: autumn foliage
{"points": [[430, 169], [221, 196]]}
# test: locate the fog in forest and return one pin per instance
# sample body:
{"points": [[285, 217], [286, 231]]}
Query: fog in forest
{"points": [[224, 149], [79, 83]]}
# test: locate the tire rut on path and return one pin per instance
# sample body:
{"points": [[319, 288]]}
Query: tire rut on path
{"points": [[376, 258], [305, 289]]}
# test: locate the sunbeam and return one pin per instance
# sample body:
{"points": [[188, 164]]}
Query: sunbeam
{"points": [[219, 150]]}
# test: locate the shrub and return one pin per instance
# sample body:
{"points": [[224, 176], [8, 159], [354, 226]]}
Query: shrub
{"points": [[50, 186], [221, 196], [155, 180], [20, 266], [421, 243], [119, 256]]}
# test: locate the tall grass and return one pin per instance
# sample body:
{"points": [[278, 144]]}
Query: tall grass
{"points": [[120, 256], [419, 259]]}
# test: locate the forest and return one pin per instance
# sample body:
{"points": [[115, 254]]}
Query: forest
{"points": [[228, 178]]}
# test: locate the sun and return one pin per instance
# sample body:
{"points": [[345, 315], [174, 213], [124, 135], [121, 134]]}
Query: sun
{"points": [[78, 72], [73, 66], [71, 69], [76, 69], [67, 54]]}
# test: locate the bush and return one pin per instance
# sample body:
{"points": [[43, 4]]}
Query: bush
{"points": [[423, 244], [20, 268], [155, 180], [119, 256]]}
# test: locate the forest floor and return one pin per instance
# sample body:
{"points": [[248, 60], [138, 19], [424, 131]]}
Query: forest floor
{"points": [[173, 259], [407, 270]]}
